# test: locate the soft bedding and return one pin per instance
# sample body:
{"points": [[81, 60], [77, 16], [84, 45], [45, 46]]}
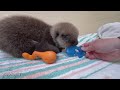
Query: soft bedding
{"points": [[65, 67]]}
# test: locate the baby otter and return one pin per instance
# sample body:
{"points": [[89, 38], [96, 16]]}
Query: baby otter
{"points": [[20, 34]]}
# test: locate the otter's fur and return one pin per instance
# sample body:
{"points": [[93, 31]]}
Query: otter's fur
{"points": [[20, 34]]}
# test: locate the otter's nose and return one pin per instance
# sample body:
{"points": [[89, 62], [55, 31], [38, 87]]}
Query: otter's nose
{"points": [[74, 42]]}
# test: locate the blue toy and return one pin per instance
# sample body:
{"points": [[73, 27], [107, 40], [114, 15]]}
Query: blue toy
{"points": [[75, 51]]}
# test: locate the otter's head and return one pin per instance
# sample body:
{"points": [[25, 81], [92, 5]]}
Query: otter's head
{"points": [[64, 34]]}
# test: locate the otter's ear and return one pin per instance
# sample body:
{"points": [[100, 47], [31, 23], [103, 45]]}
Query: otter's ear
{"points": [[56, 34]]}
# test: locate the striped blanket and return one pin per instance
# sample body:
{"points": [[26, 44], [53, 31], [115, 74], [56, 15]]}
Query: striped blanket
{"points": [[65, 67]]}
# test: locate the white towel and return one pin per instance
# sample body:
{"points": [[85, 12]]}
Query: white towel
{"points": [[110, 30]]}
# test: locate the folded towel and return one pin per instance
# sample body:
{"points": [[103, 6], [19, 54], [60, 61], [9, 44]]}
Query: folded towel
{"points": [[110, 30]]}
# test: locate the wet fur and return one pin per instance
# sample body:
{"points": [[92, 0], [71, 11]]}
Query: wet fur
{"points": [[20, 34]]}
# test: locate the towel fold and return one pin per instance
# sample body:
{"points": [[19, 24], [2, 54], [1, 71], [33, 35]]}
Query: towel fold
{"points": [[110, 30]]}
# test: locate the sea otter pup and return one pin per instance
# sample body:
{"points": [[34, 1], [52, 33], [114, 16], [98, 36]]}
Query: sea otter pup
{"points": [[20, 34]]}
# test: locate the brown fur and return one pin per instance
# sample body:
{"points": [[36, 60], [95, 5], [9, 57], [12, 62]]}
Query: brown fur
{"points": [[20, 34]]}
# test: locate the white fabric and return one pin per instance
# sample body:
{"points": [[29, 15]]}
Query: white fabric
{"points": [[110, 30]]}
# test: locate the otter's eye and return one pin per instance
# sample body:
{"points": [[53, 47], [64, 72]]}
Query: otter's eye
{"points": [[65, 37]]}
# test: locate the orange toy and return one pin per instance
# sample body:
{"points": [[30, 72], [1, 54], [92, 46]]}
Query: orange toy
{"points": [[48, 57]]}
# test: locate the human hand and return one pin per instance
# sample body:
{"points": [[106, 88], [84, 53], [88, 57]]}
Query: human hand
{"points": [[105, 49]]}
